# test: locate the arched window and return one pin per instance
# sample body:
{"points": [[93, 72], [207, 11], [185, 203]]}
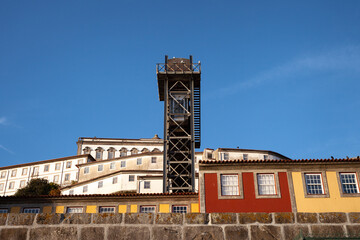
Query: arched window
{"points": [[156, 150], [87, 150], [134, 151], [145, 150], [99, 153], [111, 153], [123, 152]]}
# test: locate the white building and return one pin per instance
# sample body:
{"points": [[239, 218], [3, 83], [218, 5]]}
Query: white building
{"points": [[109, 165]]}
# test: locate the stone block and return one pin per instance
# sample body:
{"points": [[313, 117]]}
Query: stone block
{"points": [[197, 218], [169, 218], [245, 218], [354, 217], [265, 232], [166, 233], [49, 218], [306, 217], [3, 217], [285, 217], [203, 233], [223, 218], [327, 231], [236, 232], [128, 233], [53, 233], [107, 218], [76, 218], [92, 233], [13, 233], [353, 230], [294, 230], [333, 217], [21, 219], [139, 218]]}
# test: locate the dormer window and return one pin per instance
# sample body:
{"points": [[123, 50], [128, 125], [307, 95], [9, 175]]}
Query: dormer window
{"points": [[99, 153], [87, 150], [111, 153]]}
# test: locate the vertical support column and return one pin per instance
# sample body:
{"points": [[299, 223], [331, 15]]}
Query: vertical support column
{"points": [[192, 134]]}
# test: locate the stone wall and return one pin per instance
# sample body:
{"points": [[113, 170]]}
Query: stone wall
{"points": [[177, 226]]}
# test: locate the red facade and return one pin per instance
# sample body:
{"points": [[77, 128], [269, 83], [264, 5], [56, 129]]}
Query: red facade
{"points": [[249, 203]]}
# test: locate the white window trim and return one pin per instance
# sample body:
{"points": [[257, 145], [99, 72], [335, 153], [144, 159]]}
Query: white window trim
{"points": [[342, 194], [230, 172], [174, 206], [324, 182], [277, 185], [147, 206]]}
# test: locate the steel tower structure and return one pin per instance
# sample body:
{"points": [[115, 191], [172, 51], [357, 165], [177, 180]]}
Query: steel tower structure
{"points": [[179, 88]]}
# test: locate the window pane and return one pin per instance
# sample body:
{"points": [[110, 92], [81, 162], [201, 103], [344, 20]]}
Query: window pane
{"points": [[106, 209], [179, 209], [147, 209], [229, 185], [74, 210], [314, 184], [266, 184], [349, 183], [31, 210]]}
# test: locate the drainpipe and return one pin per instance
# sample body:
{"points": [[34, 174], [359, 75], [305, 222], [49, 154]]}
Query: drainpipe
{"points": [[6, 182], [62, 171]]}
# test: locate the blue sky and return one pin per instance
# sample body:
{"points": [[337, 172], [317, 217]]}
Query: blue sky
{"points": [[276, 75]]}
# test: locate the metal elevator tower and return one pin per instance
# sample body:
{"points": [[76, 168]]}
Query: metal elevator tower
{"points": [[179, 88]]}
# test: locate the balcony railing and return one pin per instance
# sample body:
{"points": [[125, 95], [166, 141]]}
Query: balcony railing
{"points": [[178, 67]]}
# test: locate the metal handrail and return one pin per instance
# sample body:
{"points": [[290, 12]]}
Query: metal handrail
{"points": [[178, 67]]}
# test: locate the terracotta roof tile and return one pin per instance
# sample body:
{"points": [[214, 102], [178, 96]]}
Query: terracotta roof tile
{"points": [[280, 161]]}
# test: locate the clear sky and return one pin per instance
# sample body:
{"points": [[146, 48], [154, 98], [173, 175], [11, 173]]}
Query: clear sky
{"points": [[276, 75]]}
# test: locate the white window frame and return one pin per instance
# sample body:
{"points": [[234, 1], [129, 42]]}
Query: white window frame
{"points": [[245, 156], [123, 164], [100, 184], [57, 166], [68, 164], [74, 209], [106, 209], [139, 161], [31, 210], [14, 173], [147, 209], [179, 209], [56, 179], [306, 180], [67, 177], [240, 185], [3, 174], [2, 186], [147, 185], [24, 171], [100, 168], [46, 167], [277, 193], [11, 185], [342, 191], [234, 184], [22, 183], [131, 178], [115, 180]]}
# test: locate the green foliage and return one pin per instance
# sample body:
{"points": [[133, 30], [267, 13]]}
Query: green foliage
{"points": [[37, 187]]}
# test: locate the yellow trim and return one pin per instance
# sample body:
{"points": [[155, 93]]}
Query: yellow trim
{"points": [[133, 208], [91, 209], [164, 208], [334, 203], [47, 209], [59, 209], [122, 208], [195, 208], [15, 210]]}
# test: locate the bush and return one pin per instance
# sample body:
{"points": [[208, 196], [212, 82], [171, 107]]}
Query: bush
{"points": [[38, 187]]}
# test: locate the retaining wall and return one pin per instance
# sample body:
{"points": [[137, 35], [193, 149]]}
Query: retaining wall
{"points": [[46, 226]]}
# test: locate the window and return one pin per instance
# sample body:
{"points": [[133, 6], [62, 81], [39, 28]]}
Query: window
{"points": [[123, 152], [145, 150], [266, 184], [266, 157], [56, 178], [111, 153], [86, 170], [314, 183], [85, 189], [224, 156], [134, 151], [112, 165], [106, 209], [100, 167], [147, 209], [114, 180], [31, 210], [3, 174], [87, 150], [35, 172], [156, 150], [13, 173], [245, 156], [139, 161], [4, 210], [153, 159], [229, 185], [67, 177], [1, 186], [11, 185], [46, 168], [349, 183], [57, 166], [209, 155], [68, 164], [147, 185], [178, 106], [100, 184], [131, 178], [71, 192], [74, 210], [123, 164], [98, 154], [22, 183], [80, 161], [24, 171], [179, 209]]}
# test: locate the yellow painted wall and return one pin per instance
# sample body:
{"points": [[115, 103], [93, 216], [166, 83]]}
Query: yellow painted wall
{"points": [[90, 209], [47, 209], [122, 208], [335, 203], [133, 208], [15, 210], [60, 209], [164, 208], [195, 208]]}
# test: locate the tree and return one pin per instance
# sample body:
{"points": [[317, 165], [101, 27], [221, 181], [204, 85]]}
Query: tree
{"points": [[38, 187]]}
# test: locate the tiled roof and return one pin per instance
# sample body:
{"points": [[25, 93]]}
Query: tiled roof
{"points": [[108, 195], [252, 150], [280, 161]]}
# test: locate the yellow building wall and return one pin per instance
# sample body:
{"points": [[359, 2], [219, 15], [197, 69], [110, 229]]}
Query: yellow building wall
{"points": [[47, 209], [164, 208], [195, 208], [15, 210], [59, 209], [122, 208], [91, 209], [335, 203], [133, 208]]}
